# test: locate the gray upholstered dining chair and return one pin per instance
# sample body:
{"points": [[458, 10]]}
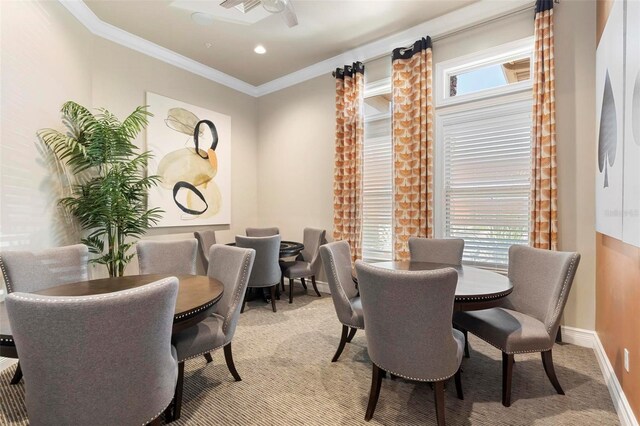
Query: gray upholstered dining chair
{"points": [[529, 317], [175, 257], [262, 232], [232, 267], [308, 261], [29, 271], [436, 250], [407, 315], [266, 270], [336, 258], [99, 360], [205, 240]]}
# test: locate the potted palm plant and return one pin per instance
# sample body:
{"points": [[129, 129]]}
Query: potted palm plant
{"points": [[108, 195]]}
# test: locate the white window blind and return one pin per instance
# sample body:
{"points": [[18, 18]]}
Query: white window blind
{"points": [[487, 161], [377, 200]]}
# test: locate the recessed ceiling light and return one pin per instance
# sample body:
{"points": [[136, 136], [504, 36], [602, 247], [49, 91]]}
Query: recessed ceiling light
{"points": [[260, 50], [202, 18]]}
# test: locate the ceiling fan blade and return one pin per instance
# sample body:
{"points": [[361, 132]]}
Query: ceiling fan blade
{"points": [[289, 15], [228, 4]]}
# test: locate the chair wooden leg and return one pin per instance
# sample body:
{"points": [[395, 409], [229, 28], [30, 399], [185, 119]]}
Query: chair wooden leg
{"points": [[273, 298], [458, 379], [228, 357], [156, 422], [559, 335], [304, 283], [351, 334], [547, 362], [507, 374], [17, 376], [282, 282], [374, 393], [177, 398], [466, 343], [343, 341], [438, 393], [244, 303], [315, 286], [207, 356], [290, 290]]}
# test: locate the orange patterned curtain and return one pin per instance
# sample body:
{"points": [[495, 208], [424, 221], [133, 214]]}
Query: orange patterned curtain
{"points": [[544, 186], [412, 145], [347, 182]]}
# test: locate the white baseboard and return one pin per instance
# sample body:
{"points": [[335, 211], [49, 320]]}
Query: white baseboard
{"points": [[590, 339]]}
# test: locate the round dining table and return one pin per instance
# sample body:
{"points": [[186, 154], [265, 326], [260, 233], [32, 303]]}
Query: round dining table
{"points": [[197, 296], [477, 288]]}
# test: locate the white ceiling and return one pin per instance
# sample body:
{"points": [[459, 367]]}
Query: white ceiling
{"points": [[326, 28]]}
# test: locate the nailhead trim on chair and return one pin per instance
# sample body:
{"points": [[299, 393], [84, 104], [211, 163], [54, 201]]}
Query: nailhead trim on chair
{"points": [[335, 276], [236, 299], [6, 340], [5, 276], [570, 271], [512, 352], [193, 311], [415, 378], [56, 299]]}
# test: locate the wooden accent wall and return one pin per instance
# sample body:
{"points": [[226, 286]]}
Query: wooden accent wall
{"points": [[618, 310]]}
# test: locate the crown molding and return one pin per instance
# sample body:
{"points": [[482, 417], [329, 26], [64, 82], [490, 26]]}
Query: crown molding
{"points": [[452, 22], [124, 38]]}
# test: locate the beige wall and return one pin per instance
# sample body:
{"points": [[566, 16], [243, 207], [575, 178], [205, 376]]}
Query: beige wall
{"points": [[575, 127], [295, 172], [297, 136], [122, 76], [48, 57], [45, 57]]}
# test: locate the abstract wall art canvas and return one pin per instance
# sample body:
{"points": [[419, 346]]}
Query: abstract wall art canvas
{"points": [[609, 119], [192, 155], [631, 198]]}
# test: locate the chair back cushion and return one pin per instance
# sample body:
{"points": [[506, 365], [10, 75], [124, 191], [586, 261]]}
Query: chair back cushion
{"points": [[541, 282], [407, 315], [312, 240], [262, 232], [436, 250], [232, 267], [100, 360], [205, 240], [29, 271], [176, 257], [336, 258], [266, 270]]}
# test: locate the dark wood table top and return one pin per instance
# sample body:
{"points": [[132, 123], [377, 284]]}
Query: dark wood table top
{"points": [[477, 288], [287, 248], [197, 295]]}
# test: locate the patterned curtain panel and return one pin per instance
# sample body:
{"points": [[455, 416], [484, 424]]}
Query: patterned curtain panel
{"points": [[544, 186], [412, 145], [347, 182]]}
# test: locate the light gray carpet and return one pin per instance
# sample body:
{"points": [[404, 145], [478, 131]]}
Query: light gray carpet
{"points": [[288, 379]]}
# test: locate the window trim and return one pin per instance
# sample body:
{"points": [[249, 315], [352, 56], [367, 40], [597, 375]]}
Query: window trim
{"points": [[492, 56]]}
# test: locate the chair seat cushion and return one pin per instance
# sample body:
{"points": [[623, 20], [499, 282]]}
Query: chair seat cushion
{"points": [[357, 317], [296, 269], [510, 331], [203, 337]]}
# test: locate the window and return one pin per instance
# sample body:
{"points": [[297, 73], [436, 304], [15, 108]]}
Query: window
{"points": [[483, 152], [497, 71], [377, 191]]}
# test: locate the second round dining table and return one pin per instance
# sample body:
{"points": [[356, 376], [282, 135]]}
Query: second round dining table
{"points": [[477, 288]]}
